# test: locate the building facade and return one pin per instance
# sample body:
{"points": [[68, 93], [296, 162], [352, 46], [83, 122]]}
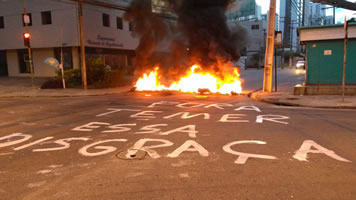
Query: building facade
{"points": [[290, 19], [54, 30], [317, 14]]}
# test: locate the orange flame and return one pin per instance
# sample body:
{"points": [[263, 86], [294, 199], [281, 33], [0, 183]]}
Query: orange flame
{"points": [[192, 82]]}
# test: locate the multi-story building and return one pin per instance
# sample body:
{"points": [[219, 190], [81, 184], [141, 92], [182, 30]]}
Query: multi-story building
{"points": [[264, 17], [305, 13], [290, 18], [317, 14], [247, 10], [54, 28]]}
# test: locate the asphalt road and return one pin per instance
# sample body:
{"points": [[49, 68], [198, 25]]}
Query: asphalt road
{"points": [[184, 147]]}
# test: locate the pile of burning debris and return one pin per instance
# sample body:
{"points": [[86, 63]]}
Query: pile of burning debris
{"points": [[202, 47]]}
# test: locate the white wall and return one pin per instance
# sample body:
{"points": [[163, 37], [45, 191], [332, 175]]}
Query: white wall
{"points": [[64, 27], [40, 68], [327, 33], [12, 63], [95, 32], [256, 37], [64, 31]]}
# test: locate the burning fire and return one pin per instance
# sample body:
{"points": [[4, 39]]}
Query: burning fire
{"points": [[193, 81]]}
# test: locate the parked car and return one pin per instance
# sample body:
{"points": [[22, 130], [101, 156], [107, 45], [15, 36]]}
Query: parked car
{"points": [[300, 64]]}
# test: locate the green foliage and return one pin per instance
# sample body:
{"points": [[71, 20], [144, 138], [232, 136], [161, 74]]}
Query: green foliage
{"points": [[97, 76], [73, 77]]}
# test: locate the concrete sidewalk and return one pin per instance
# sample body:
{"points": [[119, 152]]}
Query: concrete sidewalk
{"points": [[290, 78], [317, 101], [22, 87]]}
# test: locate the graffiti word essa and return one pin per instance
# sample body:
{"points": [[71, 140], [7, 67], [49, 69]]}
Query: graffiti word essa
{"points": [[145, 144], [190, 130]]}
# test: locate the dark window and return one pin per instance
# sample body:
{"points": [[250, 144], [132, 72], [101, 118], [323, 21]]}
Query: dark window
{"points": [[254, 27], [2, 24], [106, 20], [119, 23], [46, 17], [131, 26], [3, 63], [67, 57], [24, 61], [23, 21]]}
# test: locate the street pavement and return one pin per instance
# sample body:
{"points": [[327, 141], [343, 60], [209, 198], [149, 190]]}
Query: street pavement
{"points": [[166, 145], [252, 81]]}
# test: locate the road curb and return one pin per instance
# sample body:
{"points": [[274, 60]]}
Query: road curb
{"points": [[61, 95], [255, 96]]}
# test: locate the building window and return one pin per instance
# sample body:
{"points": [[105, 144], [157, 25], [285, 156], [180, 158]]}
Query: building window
{"points": [[119, 23], [46, 17], [2, 24], [67, 57], [24, 61], [131, 26], [255, 27], [106, 20], [23, 21]]}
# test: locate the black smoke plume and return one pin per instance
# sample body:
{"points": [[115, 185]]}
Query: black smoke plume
{"points": [[196, 31]]}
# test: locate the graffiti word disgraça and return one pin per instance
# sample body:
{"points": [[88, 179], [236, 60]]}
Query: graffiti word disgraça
{"points": [[150, 146]]}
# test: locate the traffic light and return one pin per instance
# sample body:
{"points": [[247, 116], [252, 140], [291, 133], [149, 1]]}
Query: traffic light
{"points": [[26, 39]]}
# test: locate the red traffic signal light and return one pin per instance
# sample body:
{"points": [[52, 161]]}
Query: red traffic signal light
{"points": [[26, 39], [26, 35]]}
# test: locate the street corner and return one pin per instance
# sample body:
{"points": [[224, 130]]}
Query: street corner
{"points": [[311, 101], [276, 98]]}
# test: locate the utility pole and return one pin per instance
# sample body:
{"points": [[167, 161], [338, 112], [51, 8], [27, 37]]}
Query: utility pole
{"points": [[291, 46], [268, 71], [334, 15], [303, 13], [345, 60], [82, 48], [29, 49]]}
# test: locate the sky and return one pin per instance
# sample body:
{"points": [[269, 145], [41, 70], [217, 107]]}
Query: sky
{"points": [[340, 13]]}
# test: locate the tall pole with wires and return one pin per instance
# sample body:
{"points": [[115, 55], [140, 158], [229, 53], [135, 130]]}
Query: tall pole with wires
{"points": [[82, 47], [29, 46], [268, 71]]}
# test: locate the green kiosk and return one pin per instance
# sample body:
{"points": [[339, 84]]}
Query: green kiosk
{"points": [[324, 58]]}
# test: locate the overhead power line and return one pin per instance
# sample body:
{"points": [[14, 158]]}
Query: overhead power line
{"points": [[338, 3]]}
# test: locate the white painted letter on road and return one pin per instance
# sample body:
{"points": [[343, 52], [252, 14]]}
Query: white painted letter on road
{"points": [[302, 153], [244, 156], [140, 145], [248, 108], [190, 129], [149, 114], [187, 146], [64, 144], [22, 138], [90, 126], [106, 149], [271, 118], [233, 118]]}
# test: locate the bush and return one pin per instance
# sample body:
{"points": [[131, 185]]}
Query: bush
{"points": [[97, 77], [95, 74], [113, 78], [73, 77], [52, 84]]}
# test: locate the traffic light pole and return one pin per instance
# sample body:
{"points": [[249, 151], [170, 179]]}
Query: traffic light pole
{"points": [[268, 72], [30, 55]]}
